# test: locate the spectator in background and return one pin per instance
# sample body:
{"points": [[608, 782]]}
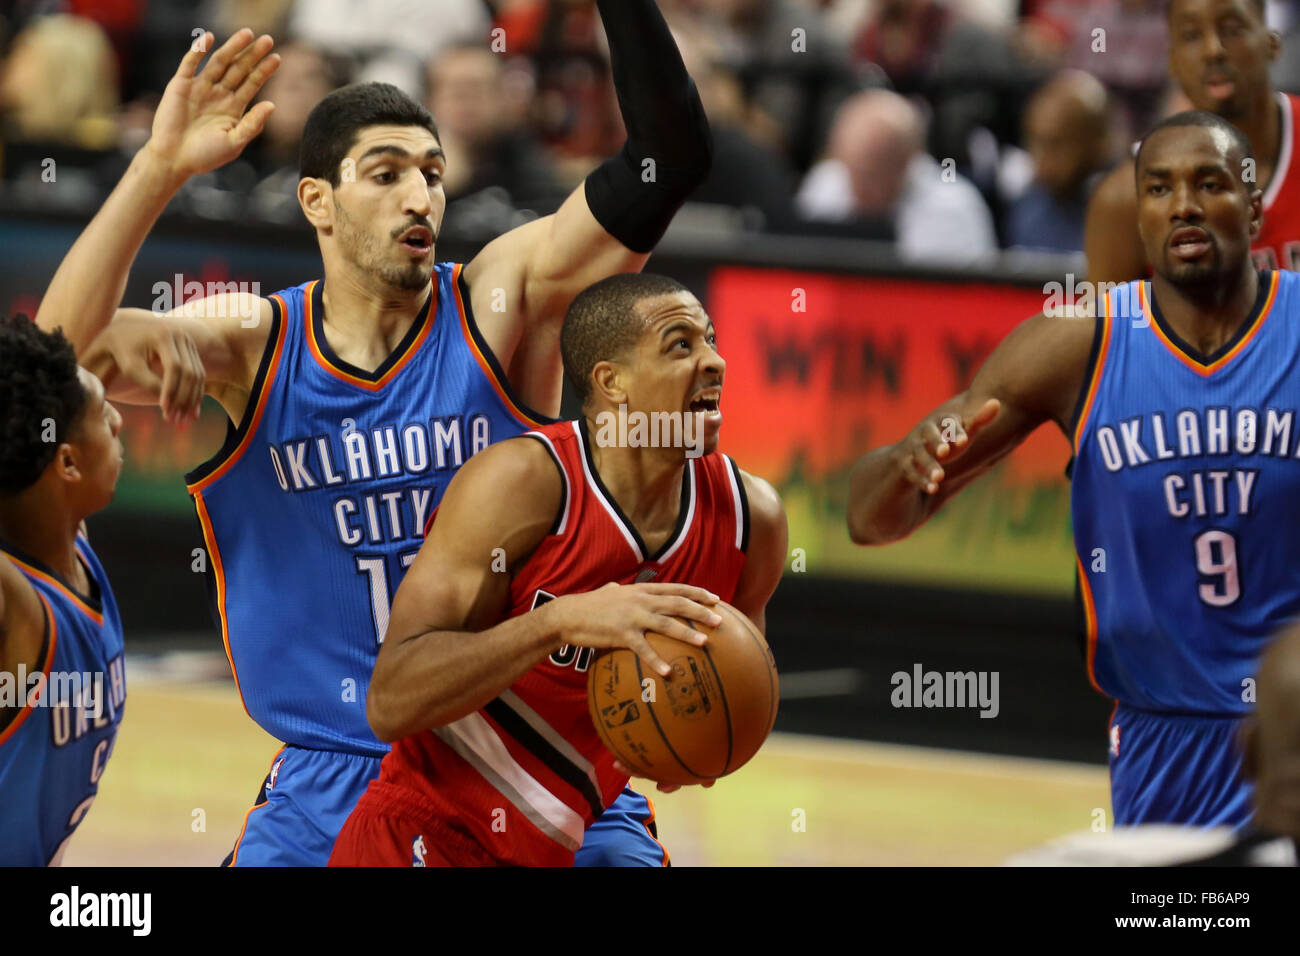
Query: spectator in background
{"points": [[1067, 134], [1124, 43], [480, 120], [747, 176], [59, 84], [390, 40], [306, 75], [795, 73], [967, 69], [876, 167], [575, 111]]}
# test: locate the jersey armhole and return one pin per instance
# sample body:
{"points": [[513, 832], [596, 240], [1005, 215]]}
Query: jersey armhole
{"points": [[562, 516], [529, 416], [235, 435], [742, 506], [1090, 376]]}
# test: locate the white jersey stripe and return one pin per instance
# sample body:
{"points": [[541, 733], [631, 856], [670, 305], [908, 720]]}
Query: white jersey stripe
{"points": [[473, 738], [1283, 153]]}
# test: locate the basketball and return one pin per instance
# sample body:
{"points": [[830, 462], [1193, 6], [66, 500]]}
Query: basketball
{"points": [[705, 720]]}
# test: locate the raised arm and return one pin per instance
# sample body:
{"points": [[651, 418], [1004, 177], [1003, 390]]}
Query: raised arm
{"points": [[765, 560], [610, 223], [200, 125], [448, 652], [1110, 235], [1033, 376]]}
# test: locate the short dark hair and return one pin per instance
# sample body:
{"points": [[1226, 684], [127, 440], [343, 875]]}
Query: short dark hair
{"points": [[335, 122], [1200, 118], [603, 322], [38, 386]]}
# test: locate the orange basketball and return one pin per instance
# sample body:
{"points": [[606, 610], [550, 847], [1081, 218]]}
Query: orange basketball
{"points": [[703, 721]]}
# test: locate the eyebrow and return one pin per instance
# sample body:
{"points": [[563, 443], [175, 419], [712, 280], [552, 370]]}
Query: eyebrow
{"points": [[684, 324], [398, 153]]}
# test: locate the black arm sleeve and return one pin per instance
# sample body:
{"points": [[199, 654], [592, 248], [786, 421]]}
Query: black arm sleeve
{"points": [[669, 148]]}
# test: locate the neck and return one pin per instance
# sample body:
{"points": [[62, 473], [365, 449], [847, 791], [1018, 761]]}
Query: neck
{"points": [[1209, 315], [1263, 127], [363, 311], [646, 482], [37, 522]]}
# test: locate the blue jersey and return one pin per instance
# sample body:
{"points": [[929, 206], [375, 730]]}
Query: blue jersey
{"points": [[1186, 491], [316, 504], [53, 752]]}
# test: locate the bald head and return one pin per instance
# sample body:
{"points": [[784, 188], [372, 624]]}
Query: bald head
{"points": [[1273, 740], [1067, 131], [876, 135]]}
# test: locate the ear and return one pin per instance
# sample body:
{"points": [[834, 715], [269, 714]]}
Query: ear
{"points": [[1274, 47], [316, 197], [609, 381], [67, 463], [1256, 212]]}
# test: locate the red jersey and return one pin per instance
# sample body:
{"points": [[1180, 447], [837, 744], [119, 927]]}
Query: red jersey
{"points": [[1278, 244], [527, 774]]}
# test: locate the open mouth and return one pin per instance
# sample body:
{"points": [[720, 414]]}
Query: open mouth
{"points": [[418, 239], [707, 401]]}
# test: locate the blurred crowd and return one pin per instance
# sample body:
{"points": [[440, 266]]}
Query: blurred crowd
{"points": [[950, 127]]}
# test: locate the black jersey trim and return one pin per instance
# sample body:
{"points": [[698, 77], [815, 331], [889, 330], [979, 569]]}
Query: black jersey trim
{"points": [[398, 354], [1094, 360], [561, 516], [1189, 351], [684, 508], [235, 435], [541, 748], [93, 600], [743, 517], [520, 407]]}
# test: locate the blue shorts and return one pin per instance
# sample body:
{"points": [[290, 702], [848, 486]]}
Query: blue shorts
{"points": [[308, 794], [1174, 768]]}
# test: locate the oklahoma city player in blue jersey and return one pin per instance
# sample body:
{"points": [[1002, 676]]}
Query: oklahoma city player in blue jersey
{"points": [[62, 679], [62, 685], [1181, 400], [353, 400]]}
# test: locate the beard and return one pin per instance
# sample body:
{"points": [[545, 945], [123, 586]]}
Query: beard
{"points": [[373, 256]]}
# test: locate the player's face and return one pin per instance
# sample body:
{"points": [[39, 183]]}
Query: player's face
{"points": [[389, 204], [97, 446], [1195, 215], [677, 367], [1219, 53]]}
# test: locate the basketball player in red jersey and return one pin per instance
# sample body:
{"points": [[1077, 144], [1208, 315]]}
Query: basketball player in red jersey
{"points": [[1219, 54], [546, 547]]}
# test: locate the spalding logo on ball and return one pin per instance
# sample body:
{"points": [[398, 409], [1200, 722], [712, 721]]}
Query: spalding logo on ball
{"points": [[705, 720]]}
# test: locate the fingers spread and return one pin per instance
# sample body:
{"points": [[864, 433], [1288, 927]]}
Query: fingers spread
{"points": [[245, 63], [248, 89], [222, 59]]}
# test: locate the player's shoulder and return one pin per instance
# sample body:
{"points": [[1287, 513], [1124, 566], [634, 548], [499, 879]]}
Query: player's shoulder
{"points": [[1117, 190], [766, 510], [514, 467]]}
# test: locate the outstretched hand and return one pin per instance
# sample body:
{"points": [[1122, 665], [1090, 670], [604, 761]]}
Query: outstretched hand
{"points": [[200, 123]]}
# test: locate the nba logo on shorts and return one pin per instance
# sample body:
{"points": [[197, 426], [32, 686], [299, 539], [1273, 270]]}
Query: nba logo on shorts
{"points": [[417, 851], [1114, 740], [275, 772]]}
